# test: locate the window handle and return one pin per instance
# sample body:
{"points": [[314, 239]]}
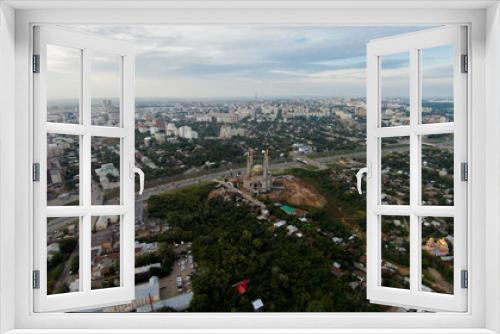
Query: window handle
{"points": [[359, 177], [136, 170]]}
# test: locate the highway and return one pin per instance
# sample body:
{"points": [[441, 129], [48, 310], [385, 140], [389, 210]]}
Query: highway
{"points": [[190, 180], [202, 178], [148, 192], [316, 162]]}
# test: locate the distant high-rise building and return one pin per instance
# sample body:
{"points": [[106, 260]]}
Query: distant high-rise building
{"points": [[171, 130], [187, 133], [228, 132]]}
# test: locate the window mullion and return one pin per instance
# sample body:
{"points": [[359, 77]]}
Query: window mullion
{"points": [[86, 175], [108, 132], [65, 211], [420, 129], [85, 264], [414, 170], [127, 109], [421, 211], [108, 210]]}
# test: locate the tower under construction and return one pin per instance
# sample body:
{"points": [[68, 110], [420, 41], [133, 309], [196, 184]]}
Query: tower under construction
{"points": [[257, 178]]}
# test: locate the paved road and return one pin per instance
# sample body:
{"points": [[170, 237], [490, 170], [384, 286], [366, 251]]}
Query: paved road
{"points": [[202, 178], [148, 192], [174, 185]]}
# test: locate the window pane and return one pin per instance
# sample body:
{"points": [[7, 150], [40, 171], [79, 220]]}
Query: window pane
{"points": [[106, 89], [437, 169], [395, 174], [396, 251], [105, 252], [437, 84], [437, 254], [63, 84], [395, 89], [63, 169], [105, 170], [63, 260]]}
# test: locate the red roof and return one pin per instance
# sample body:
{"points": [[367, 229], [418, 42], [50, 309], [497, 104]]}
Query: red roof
{"points": [[242, 286]]}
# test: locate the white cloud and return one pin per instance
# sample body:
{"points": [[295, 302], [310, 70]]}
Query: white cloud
{"points": [[232, 60]]}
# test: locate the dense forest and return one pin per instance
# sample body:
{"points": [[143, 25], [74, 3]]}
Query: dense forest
{"points": [[288, 273]]}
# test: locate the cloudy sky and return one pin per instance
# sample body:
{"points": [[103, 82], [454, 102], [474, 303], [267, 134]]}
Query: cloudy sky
{"points": [[187, 61]]}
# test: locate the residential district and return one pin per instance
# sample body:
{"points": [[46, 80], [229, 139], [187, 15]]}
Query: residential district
{"points": [[250, 204]]}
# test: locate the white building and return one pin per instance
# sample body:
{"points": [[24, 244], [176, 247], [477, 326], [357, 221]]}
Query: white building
{"points": [[53, 248], [145, 269], [108, 170], [257, 304], [292, 229], [147, 294], [187, 133], [144, 247], [229, 132], [171, 130], [160, 137], [279, 224]]}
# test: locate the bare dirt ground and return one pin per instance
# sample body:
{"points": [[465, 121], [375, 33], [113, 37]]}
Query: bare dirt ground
{"points": [[216, 193], [295, 192]]}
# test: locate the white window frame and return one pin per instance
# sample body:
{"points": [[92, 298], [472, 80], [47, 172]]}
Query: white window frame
{"points": [[412, 44], [124, 132], [15, 271]]}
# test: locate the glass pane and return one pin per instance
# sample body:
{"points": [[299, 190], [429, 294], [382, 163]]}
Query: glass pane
{"points": [[395, 164], [106, 89], [63, 169], [437, 84], [396, 251], [63, 257], [437, 254], [63, 84], [395, 89], [105, 170], [437, 169], [105, 252]]}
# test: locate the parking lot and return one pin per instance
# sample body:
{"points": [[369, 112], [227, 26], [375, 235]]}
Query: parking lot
{"points": [[183, 267]]}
